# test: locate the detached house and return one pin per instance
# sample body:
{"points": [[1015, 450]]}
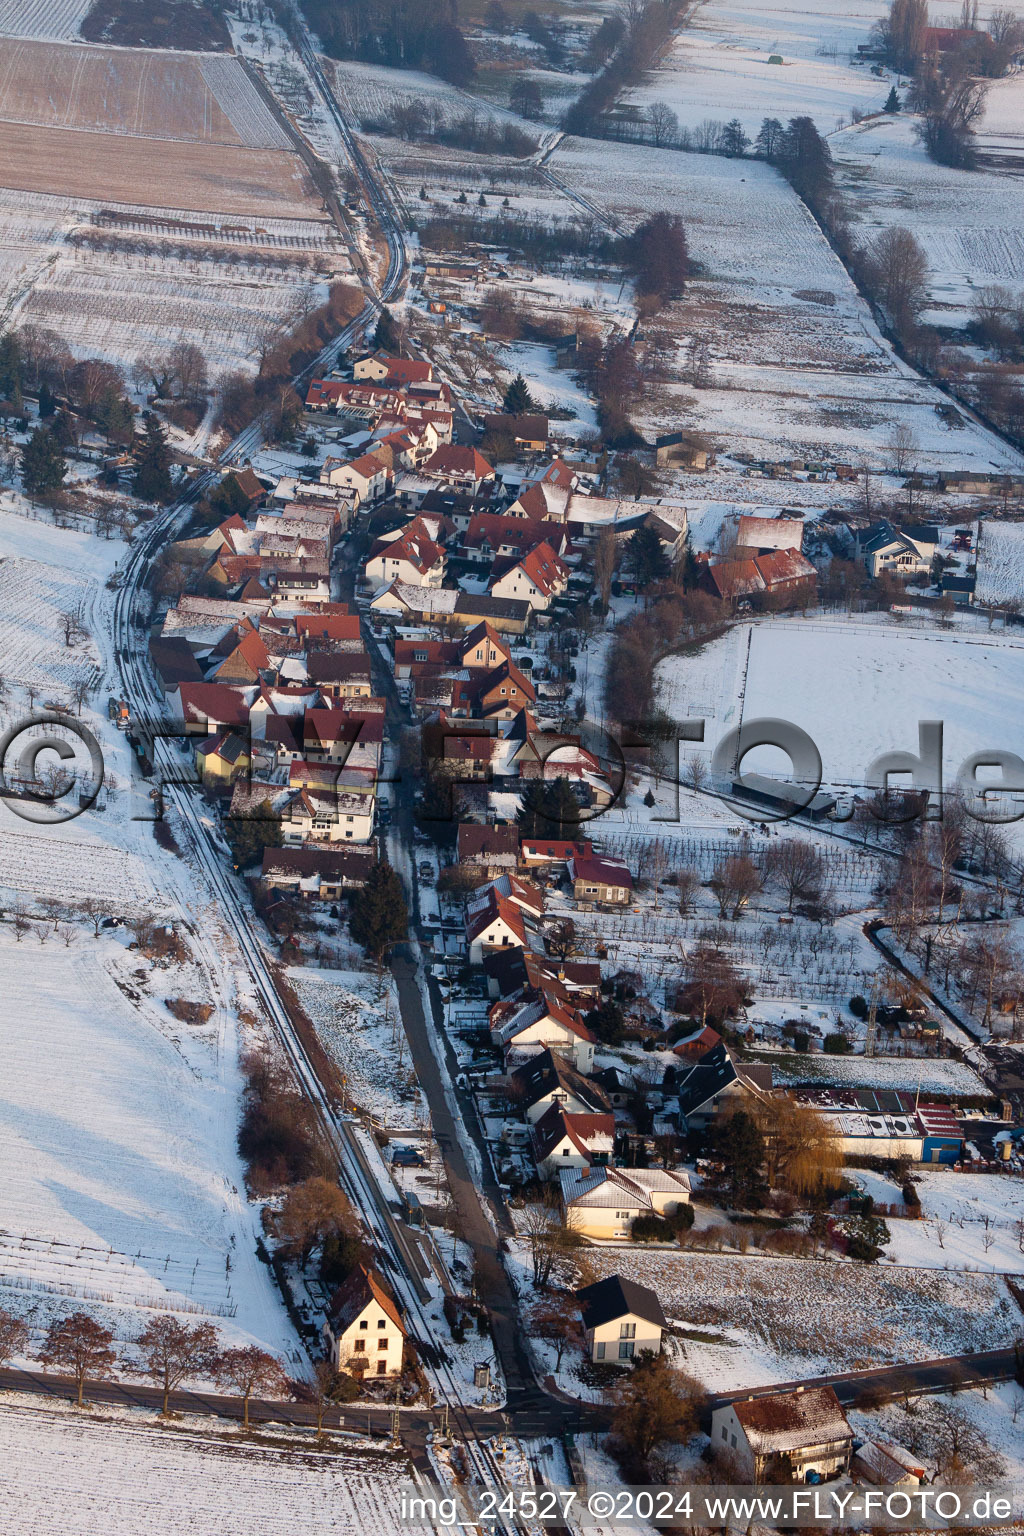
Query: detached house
{"points": [[901, 551], [621, 1319], [367, 476], [562, 1140], [803, 1435], [364, 1332], [460, 467], [496, 924], [533, 1023], [412, 560], [606, 1202], [549, 1079], [488, 850], [602, 880], [538, 578]]}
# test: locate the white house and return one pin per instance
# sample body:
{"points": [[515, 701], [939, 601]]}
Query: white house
{"points": [[529, 1024], [606, 1202], [901, 551], [364, 1332], [620, 1319], [547, 1079], [562, 1140], [334, 817], [787, 1433], [412, 560], [538, 578], [367, 476], [496, 924]]}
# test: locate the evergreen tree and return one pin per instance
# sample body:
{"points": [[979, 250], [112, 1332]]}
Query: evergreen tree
{"points": [[769, 138], [606, 1022], [549, 809], [248, 835], [735, 141], [385, 337], [892, 101], [153, 463], [739, 1146], [645, 557], [42, 463], [10, 370], [379, 914], [47, 402], [518, 399], [115, 415], [228, 499], [806, 159]]}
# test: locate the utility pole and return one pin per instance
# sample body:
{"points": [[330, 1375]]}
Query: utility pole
{"points": [[870, 1037]]}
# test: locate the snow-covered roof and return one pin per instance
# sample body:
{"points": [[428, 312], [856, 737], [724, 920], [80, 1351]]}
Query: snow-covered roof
{"points": [[789, 1421]]}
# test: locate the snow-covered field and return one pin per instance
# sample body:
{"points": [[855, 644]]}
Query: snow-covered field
{"points": [[990, 1419], [934, 1074], [1001, 562], [141, 280], [105, 1476], [122, 1186], [762, 1320], [858, 688], [970, 224], [719, 69], [57, 20], [796, 360]]}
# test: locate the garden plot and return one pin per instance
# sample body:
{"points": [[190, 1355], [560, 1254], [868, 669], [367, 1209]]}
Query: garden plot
{"points": [[969, 1220], [719, 67], [797, 363], [121, 1181], [970, 224], [1000, 556], [120, 1476], [57, 20], [758, 1320], [857, 687], [933, 1074], [361, 1028], [151, 95]]}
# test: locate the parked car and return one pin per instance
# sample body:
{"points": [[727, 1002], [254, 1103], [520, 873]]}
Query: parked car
{"points": [[426, 870]]}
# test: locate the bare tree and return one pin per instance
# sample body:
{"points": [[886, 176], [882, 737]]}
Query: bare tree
{"points": [[606, 554], [664, 123], [796, 868], [71, 626], [687, 886], [899, 270], [735, 882], [901, 447], [14, 1336], [80, 1345], [311, 1212], [696, 771], [249, 1371], [172, 1351]]}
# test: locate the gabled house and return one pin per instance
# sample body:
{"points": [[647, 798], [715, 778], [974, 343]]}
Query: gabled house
{"points": [[621, 1319], [411, 560], [538, 578], [317, 871], [206, 708], [483, 647], [222, 758], [367, 476], [496, 923], [605, 881], [460, 467], [381, 367], [714, 1082], [759, 535], [560, 1140], [800, 1436], [537, 1022], [340, 674], [900, 551], [549, 1079], [606, 1202], [526, 431], [364, 1332], [487, 850]]}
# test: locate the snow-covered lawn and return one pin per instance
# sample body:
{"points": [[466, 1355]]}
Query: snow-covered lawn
{"points": [[748, 1321], [969, 223], [107, 1476], [992, 1418], [934, 1074], [857, 687], [969, 1220]]}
